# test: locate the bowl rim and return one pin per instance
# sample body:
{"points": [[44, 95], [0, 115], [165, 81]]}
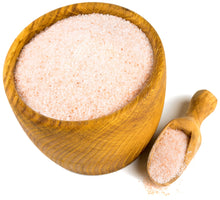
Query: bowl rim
{"points": [[158, 57]]}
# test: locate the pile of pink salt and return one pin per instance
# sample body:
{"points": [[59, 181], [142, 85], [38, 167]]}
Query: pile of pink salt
{"points": [[167, 159], [84, 67]]}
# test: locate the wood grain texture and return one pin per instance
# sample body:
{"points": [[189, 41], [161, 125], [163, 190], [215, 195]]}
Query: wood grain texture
{"points": [[104, 144], [202, 104]]}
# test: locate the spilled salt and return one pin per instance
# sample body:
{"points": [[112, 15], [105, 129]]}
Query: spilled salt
{"points": [[153, 189], [84, 67], [167, 159], [155, 192]]}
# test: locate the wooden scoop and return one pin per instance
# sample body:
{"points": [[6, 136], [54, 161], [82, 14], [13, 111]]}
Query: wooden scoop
{"points": [[202, 104]]}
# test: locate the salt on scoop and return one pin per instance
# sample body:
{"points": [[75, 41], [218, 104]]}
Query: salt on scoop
{"points": [[168, 156], [84, 67]]}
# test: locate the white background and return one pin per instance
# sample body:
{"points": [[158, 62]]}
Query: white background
{"points": [[190, 32]]}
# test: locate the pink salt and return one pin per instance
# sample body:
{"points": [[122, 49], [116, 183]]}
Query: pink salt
{"points": [[167, 156], [84, 67]]}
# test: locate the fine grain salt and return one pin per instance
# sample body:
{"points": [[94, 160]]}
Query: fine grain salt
{"points": [[84, 67], [168, 156]]}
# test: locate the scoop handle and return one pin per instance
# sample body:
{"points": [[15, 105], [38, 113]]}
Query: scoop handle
{"points": [[202, 104]]}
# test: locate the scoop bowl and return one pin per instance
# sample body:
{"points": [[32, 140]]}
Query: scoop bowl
{"points": [[202, 104]]}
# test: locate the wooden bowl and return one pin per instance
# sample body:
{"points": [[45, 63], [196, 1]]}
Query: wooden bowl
{"points": [[100, 145]]}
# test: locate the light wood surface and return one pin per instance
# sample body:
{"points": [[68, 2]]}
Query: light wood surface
{"points": [[101, 145], [202, 104]]}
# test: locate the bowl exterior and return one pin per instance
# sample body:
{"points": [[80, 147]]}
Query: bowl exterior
{"points": [[101, 145]]}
